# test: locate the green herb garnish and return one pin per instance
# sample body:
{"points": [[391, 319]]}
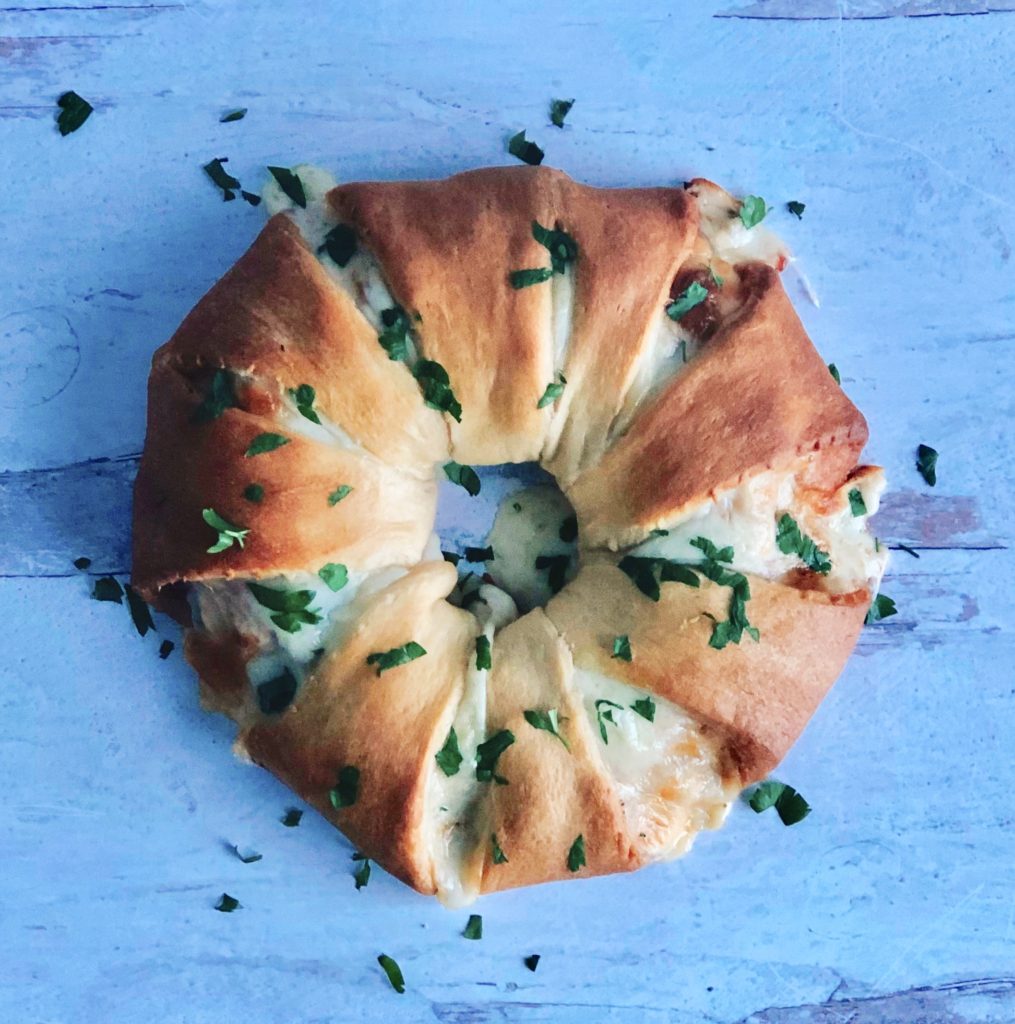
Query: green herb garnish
{"points": [[449, 757], [346, 791], [292, 817], [474, 928], [752, 211], [335, 576], [717, 280], [221, 396], [233, 115], [393, 971], [435, 384], [107, 588], [362, 874], [264, 443], [479, 554], [792, 541], [646, 707], [926, 463], [166, 648], [254, 493], [563, 249], [484, 658], [568, 531], [228, 534], [532, 961], [856, 503], [526, 151], [248, 856], [290, 184], [251, 197], [82, 563], [290, 608], [340, 492], [275, 695], [556, 567], [622, 647], [340, 244], [881, 608], [498, 855], [385, 660], [227, 904], [222, 178], [553, 392], [139, 611], [464, 476], [559, 109], [451, 556], [548, 722], [394, 336], [693, 295], [488, 753], [834, 371], [304, 397], [576, 855], [524, 278], [74, 111], [797, 209], [604, 714], [788, 803]]}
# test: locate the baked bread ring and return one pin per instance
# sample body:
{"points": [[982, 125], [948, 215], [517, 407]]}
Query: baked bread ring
{"points": [[463, 731]]}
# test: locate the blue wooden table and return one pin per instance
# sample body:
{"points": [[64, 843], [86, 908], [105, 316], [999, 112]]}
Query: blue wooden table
{"points": [[893, 121]]}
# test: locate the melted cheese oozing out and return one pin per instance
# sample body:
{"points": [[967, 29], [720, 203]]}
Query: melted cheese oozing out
{"points": [[745, 518], [528, 525], [456, 825], [730, 240], [666, 772]]}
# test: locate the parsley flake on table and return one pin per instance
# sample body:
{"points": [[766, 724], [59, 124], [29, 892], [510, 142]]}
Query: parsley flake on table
{"points": [[647, 574], [385, 660], [553, 392], [275, 695], [362, 874], [451, 556], [246, 856], [797, 209], [926, 463], [449, 757], [290, 184], [251, 197], [547, 721], [497, 855], [254, 493], [693, 295], [881, 608], [479, 554], [834, 371], [233, 115], [340, 244], [227, 904], [622, 647], [576, 855], [82, 563], [303, 398], [166, 648], [139, 611], [335, 576], [792, 541], [465, 476], [646, 707], [526, 151], [435, 384], [264, 443], [107, 588], [474, 927], [345, 792], [752, 211], [74, 111], [857, 506], [488, 753], [788, 803], [215, 169], [290, 608], [559, 109], [604, 714], [484, 658], [292, 817], [532, 961], [393, 971], [340, 492], [221, 396]]}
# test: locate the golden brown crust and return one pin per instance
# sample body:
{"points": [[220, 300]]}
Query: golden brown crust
{"points": [[188, 466], [553, 795], [631, 242], [277, 316], [758, 696], [388, 726], [757, 397]]}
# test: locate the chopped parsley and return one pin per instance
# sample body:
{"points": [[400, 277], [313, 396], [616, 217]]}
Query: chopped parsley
{"points": [[290, 608], [733, 629], [576, 855], [524, 278], [834, 371], [484, 659], [166, 648], [622, 647], [362, 874], [563, 249], [553, 392], [340, 244], [247, 856], [74, 111], [464, 476], [856, 503], [393, 971], [926, 463], [568, 531], [693, 295], [548, 722], [251, 197], [275, 695], [233, 115], [139, 611], [107, 588], [752, 211], [449, 757], [788, 803], [489, 752], [646, 707], [604, 714], [556, 567], [479, 554], [881, 608], [394, 335], [797, 209], [340, 492], [335, 576], [559, 109], [497, 855], [435, 384], [304, 397], [292, 817], [451, 556], [532, 961], [290, 184], [221, 396], [474, 927], [264, 443], [228, 534], [792, 541], [346, 791], [82, 563], [385, 660], [227, 904], [215, 170], [254, 493], [647, 574], [717, 279], [526, 151]]}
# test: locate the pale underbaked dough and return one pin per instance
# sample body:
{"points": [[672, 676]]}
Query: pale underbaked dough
{"points": [[718, 422]]}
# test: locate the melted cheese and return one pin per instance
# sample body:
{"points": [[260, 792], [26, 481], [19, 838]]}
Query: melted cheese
{"points": [[666, 772], [724, 230]]}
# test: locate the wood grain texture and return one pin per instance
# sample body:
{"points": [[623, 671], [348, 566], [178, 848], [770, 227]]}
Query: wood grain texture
{"points": [[893, 900]]}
